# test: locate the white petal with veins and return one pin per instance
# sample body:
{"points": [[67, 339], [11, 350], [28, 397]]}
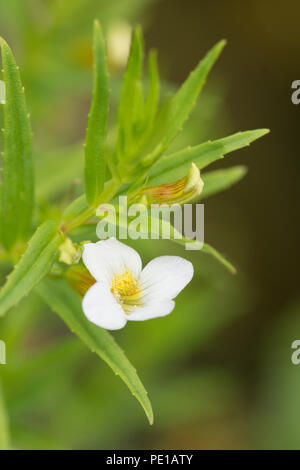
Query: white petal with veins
{"points": [[164, 277], [106, 258], [101, 308], [124, 291], [152, 310]]}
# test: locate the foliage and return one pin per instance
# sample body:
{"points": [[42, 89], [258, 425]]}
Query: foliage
{"points": [[33, 229]]}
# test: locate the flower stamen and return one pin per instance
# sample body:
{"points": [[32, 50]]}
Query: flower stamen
{"points": [[126, 290]]}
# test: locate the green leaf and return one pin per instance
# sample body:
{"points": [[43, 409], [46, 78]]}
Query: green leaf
{"points": [[17, 194], [172, 167], [76, 208], [96, 133], [219, 180], [152, 98], [147, 230], [149, 126], [66, 304], [185, 99], [4, 432], [204, 248], [131, 97], [33, 266], [213, 252], [134, 169]]}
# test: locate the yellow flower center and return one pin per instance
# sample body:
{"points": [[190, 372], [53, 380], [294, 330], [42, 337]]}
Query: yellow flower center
{"points": [[126, 290]]}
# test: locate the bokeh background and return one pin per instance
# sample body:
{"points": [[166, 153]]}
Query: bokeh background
{"points": [[218, 370]]}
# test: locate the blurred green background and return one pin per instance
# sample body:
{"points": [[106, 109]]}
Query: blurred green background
{"points": [[218, 370]]}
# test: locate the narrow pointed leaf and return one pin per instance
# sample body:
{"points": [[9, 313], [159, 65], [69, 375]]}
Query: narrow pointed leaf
{"points": [[220, 258], [76, 208], [33, 266], [131, 96], [185, 99], [147, 230], [95, 163], [176, 165], [17, 165], [202, 247], [66, 303], [152, 98], [219, 180], [151, 124]]}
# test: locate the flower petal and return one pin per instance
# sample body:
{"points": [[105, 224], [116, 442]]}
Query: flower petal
{"points": [[106, 258], [164, 277], [102, 309], [152, 310]]}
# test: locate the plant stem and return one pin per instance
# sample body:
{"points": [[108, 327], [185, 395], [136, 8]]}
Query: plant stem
{"points": [[107, 194]]}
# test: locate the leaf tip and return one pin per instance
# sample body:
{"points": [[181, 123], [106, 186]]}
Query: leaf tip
{"points": [[3, 44], [97, 25], [262, 132], [137, 35], [137, 29], [242, 168], [150, 417], [153, 54], [223, 42], [232, 269], [220, 45]]}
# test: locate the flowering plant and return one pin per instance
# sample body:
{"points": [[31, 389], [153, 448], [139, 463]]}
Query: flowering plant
{"points": [[135, 161]]}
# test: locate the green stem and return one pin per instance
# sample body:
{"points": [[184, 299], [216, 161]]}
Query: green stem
{"points": [[107, 194]]}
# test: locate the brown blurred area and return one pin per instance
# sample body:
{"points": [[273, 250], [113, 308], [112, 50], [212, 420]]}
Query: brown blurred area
{"points": [[256, 221]]}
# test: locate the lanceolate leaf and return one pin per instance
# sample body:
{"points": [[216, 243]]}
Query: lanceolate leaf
{"points": [[76, 208], [185, 99], [66, 303], [17, 166], [131, 97], [198, 245], [219, 180], [213, 252], [77, 213], [32, 267], [176, 165], [152, 98], [151, 226], [97, 123]]}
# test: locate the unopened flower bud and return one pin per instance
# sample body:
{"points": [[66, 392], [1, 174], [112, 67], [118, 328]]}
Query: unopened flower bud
{"points": [[179, 192], [69, 252], [79, 278]]}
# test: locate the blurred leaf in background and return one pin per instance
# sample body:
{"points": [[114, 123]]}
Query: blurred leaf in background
{"points": [[276, 421]]}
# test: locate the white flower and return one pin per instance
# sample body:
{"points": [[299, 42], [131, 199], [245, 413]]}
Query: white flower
{"points": [[123, 291]]}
